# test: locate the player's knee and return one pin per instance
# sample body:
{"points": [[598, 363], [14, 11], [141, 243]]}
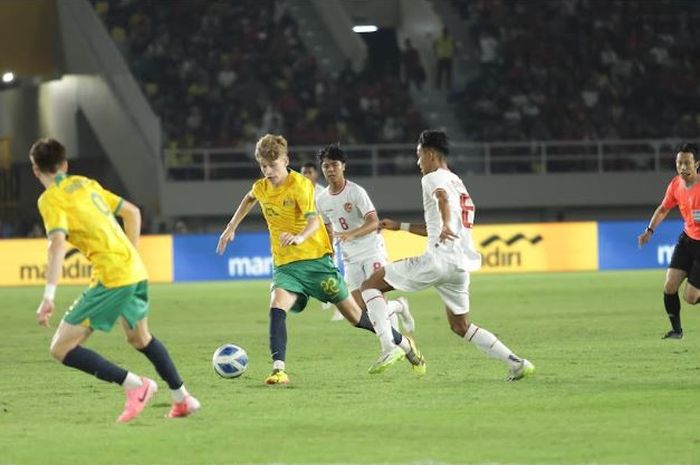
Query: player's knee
{"points": [[670, 287], [58, 352], [350, 311], [138, 341], [691, 297]]}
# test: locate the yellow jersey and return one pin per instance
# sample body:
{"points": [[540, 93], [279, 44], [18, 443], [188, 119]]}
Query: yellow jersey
{"points": [[85, 211], [286, 209], [444, 47]]}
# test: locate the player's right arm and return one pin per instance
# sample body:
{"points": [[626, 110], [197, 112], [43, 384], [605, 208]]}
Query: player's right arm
{"points": [[414, 228], [229, 233], [667, 204], [129, 213], [56, 224], [656, 219], [56, 256]]}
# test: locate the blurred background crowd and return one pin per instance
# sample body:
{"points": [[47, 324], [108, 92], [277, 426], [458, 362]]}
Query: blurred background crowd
{"points": [[220, 74]]}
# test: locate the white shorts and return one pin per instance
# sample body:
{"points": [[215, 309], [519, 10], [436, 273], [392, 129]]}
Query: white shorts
{"points": [[356, 273], [417, 273]]}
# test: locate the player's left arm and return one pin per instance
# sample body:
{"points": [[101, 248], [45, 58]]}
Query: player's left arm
{"points": [[55, 256], [370, 225], [306, 201], [371, 220], [444, 207], [131, 214], [312, 224]]}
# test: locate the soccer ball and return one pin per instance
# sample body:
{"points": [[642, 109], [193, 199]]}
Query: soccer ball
{"points": [[230, 361]]}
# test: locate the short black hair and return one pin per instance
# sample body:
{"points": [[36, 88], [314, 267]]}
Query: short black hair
{"points": [[310, 164], [331, 152], [47, 154], [688, 147], [434, 139]]}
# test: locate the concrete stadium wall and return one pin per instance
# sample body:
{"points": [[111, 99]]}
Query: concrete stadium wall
{"points": [[634, 191]]}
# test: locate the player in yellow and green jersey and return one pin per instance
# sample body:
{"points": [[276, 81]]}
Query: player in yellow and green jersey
{"points": [[78, 209], [302, 256]]}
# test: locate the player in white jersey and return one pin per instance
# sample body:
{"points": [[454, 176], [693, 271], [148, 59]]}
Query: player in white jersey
{"points": [[449, 258], [351, 219], [310, 172]]}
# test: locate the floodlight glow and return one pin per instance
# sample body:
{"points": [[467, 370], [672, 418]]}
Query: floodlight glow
{"points": [[8, 77], [364, 28]]}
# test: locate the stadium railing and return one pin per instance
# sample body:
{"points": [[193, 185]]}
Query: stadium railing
{"points": [[536, 157]]}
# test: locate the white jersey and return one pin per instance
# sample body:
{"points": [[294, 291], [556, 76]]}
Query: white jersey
{"points": [[347, 210], [460, 251], [318, 188]]}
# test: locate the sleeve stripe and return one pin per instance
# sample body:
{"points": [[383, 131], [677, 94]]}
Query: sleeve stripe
{"points": [[119, 206], [51, 231], [369, 212], [308, 214], [437, 189]]}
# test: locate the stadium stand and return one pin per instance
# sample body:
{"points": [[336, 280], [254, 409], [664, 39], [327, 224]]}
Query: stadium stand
{"points": [[220, 74], [582, 69]]}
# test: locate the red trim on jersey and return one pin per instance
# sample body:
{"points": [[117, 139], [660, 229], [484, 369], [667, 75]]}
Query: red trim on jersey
{"points": [[341, 190], [369, 212]]}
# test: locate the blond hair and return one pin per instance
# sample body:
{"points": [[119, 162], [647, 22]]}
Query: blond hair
{"points": [[270, 147]]}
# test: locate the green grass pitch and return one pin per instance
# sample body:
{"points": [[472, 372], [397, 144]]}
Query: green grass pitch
{"points": [[607, 389]]}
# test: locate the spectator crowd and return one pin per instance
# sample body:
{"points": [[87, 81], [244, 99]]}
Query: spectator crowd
{"points": [[221, 73], [582, 69]]}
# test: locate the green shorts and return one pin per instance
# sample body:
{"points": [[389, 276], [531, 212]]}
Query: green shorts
{"points": [[99, 307], [318, 278]]}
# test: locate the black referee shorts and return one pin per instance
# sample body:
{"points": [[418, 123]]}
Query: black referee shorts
{"points": [[686, 257]]}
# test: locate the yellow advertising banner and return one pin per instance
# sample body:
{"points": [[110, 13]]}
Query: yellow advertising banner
{"points": [[23, 261], [514, 248]]}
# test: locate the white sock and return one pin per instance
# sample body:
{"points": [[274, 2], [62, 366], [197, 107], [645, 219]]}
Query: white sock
{"points": [[394, 306], [405, 346], [278, 365], [490, 345], [394, 321], [377, 312], [132, 381], [179, 395]]}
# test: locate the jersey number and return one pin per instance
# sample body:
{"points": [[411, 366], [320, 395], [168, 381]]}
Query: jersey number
{"points": [[463, 199], [101, 205], [343, 223]]}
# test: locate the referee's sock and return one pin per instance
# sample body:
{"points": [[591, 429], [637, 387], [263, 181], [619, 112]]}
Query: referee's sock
{"points": [[673, 309]]}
